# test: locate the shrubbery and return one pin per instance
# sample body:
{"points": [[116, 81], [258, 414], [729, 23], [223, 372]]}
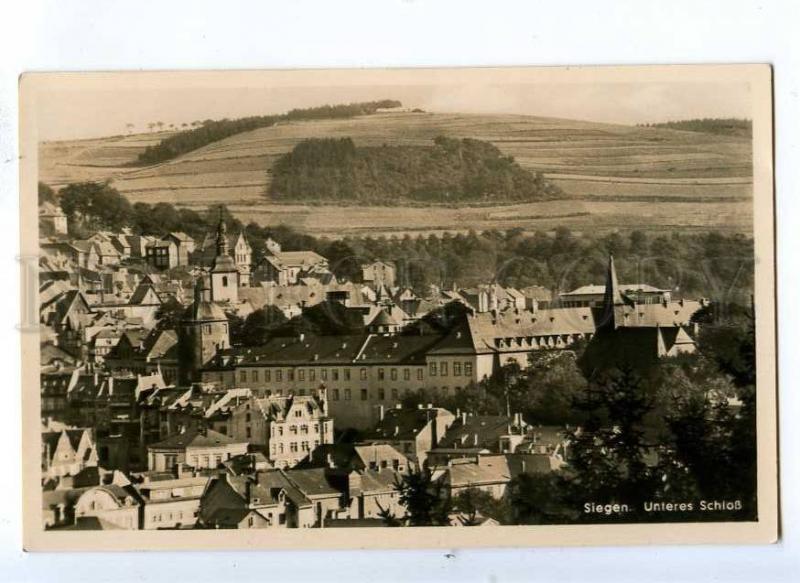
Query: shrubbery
{"points": [[448, 171]]}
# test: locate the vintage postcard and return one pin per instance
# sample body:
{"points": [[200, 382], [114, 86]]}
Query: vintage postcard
{"points": [[468, 307]]}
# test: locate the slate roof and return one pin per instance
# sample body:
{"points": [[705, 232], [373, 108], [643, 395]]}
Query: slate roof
{"points": [[205, 311], [677, 313], [293, 351], [383, 317], [160, 343], [195, 438], [223, 264], [596, 289], [490, 470], [487, 428], [300, 259], [379, 481], [397, 349], [403, 424], [141, 293], [313, 482]]}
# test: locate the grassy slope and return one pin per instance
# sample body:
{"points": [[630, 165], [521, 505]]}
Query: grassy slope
{"points": [[593, 162]]}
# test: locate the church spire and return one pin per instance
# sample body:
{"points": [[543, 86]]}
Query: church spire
{"points": [[222, 236], [612, 297]]}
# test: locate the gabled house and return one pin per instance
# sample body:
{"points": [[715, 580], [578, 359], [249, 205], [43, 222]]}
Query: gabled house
{"points": [[197, 448], [52, 217], [184, 246], [379, 273], [67, 452], [264, 500], [162, 254], [414, 432], [287, 429]]}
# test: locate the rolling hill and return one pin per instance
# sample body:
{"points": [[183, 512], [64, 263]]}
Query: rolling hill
{"points": [[612, 173]]}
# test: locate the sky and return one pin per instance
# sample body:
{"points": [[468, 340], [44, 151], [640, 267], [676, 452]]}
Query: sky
{"points": [[101, 106]]}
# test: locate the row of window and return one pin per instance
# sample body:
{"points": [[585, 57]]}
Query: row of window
{"points": [[380, 394], [170, 517], [293, 429], [335, 374], [294, 447], [443, 369], [202, 461]]}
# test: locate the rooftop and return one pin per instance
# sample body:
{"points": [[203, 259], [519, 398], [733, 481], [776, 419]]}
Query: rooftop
{"points": [[195, 438]]}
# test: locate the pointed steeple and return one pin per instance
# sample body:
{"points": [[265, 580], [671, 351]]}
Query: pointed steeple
{"points": [[612, 297], [222, 236]]}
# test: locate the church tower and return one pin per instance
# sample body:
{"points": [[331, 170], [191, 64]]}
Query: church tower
{"points": [[202, 332], [224, 273], [612, 298]]}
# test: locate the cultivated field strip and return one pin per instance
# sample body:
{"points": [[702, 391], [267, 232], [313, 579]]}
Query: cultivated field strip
{"points": [[590, 161]]}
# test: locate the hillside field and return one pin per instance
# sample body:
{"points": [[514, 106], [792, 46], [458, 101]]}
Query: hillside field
{"points": [[617, 177]]}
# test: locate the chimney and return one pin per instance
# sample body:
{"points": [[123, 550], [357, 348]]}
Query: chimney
{"points": [[248, 490]]}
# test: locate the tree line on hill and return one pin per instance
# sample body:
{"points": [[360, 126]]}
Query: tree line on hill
{"points": [[334, 170], [210, 131], [729, 126], [710, 264]]}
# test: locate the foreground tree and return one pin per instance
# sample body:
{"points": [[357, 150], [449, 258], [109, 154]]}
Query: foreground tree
{"points": [[475, 503], [426, 501]]}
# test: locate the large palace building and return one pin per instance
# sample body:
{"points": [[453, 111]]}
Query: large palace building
{"points": [[365, 372]]}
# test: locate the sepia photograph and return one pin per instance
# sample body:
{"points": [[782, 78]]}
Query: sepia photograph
{"points": [[536, 301]]}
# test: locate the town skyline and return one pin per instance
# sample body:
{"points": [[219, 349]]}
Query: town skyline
{"points": [[371, 314]]}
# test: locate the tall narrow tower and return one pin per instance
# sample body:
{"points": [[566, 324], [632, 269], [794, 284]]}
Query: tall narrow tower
{"points": [[202, 332], [224, 274], [612, 298]]}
